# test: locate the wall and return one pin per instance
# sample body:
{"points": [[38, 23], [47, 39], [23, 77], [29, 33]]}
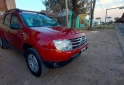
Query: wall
{"points": [[7, 5]]}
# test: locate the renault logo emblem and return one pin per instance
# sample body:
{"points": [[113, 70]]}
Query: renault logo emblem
{"points": [[81, 40]]}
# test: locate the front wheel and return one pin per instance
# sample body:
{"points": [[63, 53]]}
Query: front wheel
{"points": [[35, 63]]}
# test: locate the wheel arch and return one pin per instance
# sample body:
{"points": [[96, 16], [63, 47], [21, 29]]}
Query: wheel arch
{"points": [[26, 47]]}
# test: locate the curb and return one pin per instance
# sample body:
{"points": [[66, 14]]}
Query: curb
{"points": [[121, 42]]}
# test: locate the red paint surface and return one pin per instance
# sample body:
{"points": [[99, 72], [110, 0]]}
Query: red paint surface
{"points": [[41, 38]]}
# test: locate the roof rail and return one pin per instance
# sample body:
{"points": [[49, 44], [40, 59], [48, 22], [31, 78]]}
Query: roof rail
{"points": [[30, 11], [18, 10], [34, 12]]}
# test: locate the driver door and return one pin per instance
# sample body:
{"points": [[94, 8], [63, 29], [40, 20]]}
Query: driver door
{"points": [[15, 35]]}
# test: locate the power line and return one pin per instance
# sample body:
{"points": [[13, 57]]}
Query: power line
{"points": [[101, 6], [32, 7], [26, 5]]}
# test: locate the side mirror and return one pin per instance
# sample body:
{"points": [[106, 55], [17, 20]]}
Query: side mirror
{"points": [[15, 26]]}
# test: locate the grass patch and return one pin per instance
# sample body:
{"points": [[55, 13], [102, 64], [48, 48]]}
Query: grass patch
{"points": [[99, 27]]}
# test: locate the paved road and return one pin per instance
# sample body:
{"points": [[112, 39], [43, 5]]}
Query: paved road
{"points": [[120, 35], [120, 28]]}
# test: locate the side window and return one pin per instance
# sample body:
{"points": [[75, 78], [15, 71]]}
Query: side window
{"points": [[1, 20], [15, 20], [6, 20]]}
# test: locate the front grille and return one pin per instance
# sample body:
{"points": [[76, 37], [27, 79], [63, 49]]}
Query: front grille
{"points": [[77, 42]]}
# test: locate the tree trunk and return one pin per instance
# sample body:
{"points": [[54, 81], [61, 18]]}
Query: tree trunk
{"points": [[92, 13], [75, 12], [90, 19]]}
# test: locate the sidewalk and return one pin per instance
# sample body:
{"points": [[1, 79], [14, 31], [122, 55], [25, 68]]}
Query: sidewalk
{"points": [[120, 38]]}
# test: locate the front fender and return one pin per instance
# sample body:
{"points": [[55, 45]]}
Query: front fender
{"points": [[40, 41]]}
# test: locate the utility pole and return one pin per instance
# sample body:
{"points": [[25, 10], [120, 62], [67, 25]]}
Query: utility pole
{"points": [[92, 12], [66, 1], [46, 7], [110, 9], [105, 17]]}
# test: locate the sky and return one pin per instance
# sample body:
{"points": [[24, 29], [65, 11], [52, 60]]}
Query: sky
{"points": [[34, 5], [37, 5], [107, 4]]}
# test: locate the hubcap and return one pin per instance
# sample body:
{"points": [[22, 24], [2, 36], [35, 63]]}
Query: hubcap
{"points": [[0, 42], [33, 63]]}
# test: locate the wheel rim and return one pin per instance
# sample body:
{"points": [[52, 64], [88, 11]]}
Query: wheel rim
{"points": [[33, 63], [0, 42]]}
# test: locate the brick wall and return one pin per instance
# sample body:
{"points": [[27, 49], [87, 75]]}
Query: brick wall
{"points": [[10, 4], [7, 4]]}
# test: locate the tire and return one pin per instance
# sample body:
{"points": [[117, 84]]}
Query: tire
{"points": [[2, 44], [35, 63]]}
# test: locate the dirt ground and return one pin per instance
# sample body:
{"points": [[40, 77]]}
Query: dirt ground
{"points": [[101, 64]]}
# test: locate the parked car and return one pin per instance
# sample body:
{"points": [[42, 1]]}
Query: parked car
{"points": [[44, 43]]}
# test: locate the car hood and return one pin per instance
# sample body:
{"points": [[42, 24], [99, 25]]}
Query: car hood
{"points": [[58, 32]]}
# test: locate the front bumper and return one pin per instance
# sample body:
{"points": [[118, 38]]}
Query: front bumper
{"points": [[53, 55], [53, 65], [58, 57]]}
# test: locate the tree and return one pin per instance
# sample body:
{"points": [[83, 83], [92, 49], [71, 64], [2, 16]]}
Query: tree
{"points": [[77, 6], [75, 11], [92, 13], [51, 4], [111, 21], [117, 19], [103, 23]]}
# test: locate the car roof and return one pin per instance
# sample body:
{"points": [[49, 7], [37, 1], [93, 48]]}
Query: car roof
{"points": [[25, 11]]}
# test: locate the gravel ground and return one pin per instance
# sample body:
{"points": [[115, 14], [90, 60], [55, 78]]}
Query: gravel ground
{"points": [[101, 64]]}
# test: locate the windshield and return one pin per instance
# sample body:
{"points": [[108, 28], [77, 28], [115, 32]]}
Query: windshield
{"points": [[38, 20]]}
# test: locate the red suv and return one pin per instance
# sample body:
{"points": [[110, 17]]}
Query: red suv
{"points": [[44, 43]]}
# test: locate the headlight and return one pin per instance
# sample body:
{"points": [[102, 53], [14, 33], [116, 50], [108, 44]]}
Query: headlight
{"points": [[63, 45]]}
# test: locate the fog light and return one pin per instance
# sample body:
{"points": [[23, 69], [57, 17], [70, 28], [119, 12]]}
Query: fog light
{"points": [[56, 65]]}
